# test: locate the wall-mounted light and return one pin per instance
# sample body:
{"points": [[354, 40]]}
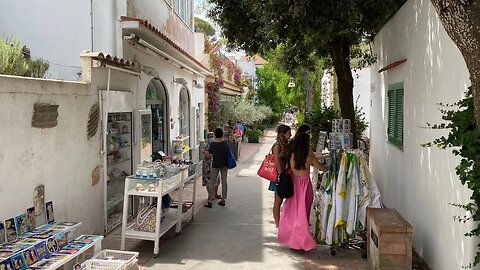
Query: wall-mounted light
{"points": [[196, 84], [181, 81], [291, 83]]}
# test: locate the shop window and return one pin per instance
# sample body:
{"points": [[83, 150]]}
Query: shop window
{"points": [[156, 101], [395, 114], [183, 113]]}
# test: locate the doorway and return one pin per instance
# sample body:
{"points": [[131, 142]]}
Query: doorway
{"points": [[157, 102]]}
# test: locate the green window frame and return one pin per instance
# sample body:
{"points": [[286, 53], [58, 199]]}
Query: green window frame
{"points": [[395, 114]]}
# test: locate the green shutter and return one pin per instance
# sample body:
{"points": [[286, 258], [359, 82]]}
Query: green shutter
{"points": [[391, 116], [399, 117], [395, 114]]}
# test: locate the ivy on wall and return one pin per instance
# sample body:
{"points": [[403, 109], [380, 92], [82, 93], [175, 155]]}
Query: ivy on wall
{"points": [[464, 137]]}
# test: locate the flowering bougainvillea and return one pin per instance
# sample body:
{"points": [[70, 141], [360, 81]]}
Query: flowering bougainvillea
{"points": [[212, 89]]}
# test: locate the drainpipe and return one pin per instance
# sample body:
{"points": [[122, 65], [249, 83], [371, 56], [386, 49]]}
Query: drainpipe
{"points": [[104, 113], [91, 24]]}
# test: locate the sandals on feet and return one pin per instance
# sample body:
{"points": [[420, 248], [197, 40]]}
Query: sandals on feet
{"points": [[208, 204], [222, 203]]}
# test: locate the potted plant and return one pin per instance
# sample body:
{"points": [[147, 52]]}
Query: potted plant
{"points": [[253, 135]]}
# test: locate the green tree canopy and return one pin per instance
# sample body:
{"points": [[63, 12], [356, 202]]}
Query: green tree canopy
{"points": [[203, 26], [309, 29]]}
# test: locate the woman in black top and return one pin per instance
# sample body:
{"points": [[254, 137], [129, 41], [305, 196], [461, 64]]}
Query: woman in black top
{"points": [[218, 152]]}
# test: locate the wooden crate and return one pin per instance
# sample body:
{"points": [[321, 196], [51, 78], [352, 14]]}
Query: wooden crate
{"points": [[389, 240]]}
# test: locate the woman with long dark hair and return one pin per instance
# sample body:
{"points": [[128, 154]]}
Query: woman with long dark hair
{"points": [[293, 228], [280, 151]]}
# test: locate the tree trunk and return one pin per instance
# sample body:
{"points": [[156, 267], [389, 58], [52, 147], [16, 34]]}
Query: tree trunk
{"points": [[461, 20], [308, 93], [340, 53]]}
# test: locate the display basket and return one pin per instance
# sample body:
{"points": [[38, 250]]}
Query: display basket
{"points": [[102, 265], [129, 258]]}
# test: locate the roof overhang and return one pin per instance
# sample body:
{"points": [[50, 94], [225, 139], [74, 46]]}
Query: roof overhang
{"points": [[228, 88], [143, 30]]}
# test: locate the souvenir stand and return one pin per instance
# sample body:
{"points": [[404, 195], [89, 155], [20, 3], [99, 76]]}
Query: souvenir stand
{"points": [[345, 192], [153, 220]]}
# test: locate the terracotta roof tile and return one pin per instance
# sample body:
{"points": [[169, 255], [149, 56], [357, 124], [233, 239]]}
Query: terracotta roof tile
{"points": [[108, 58], [159, 33]]}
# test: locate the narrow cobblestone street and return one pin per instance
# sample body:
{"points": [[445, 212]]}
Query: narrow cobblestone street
{"points": [[238, 236]]}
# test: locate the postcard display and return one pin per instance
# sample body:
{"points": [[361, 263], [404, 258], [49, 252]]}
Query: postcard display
{"points": [[119, 165], [46, 247]]}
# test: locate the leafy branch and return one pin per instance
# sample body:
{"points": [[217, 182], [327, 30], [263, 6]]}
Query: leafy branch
{"points": [[464, 137]]}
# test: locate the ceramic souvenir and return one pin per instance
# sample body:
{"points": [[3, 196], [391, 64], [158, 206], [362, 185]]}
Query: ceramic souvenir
{"points": [[39, 200]]}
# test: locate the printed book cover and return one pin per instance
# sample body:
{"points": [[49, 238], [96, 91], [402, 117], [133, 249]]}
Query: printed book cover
{"points": [[6, 265], [52, 245], [49, 207], [41, 250], [18, 262], [21, 224], [61, 239], [68, 223], [30, 256], [76, 245], [31, 224], [68, 251], [2, 234], [10, 229], [5, 253], [43, 264]]}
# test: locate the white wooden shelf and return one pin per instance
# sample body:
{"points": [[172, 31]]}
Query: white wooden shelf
{"points": [[173, 217]]}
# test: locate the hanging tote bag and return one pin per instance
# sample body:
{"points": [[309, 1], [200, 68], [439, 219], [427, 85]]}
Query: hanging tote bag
{"points": [[146, 218], [285, 185], [268, 169], [231, 163]]}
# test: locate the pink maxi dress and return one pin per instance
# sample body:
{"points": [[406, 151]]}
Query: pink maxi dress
{"points": [[293, 229]]}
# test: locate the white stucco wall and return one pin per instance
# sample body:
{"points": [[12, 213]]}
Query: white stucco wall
{"points": [[61, 158], [166, 73], [421, 182], [361, 90], [58, 31]]}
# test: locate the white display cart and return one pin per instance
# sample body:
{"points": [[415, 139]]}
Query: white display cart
{"points": [[170, 182]]}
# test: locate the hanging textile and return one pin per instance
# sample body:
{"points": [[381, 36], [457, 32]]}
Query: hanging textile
{"points": [[346, 191]]}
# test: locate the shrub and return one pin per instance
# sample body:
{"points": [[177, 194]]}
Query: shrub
{"points": [[253, 133], [14, 62]]}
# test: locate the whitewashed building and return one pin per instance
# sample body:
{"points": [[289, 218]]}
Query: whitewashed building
{"points": [[137, 57], [419, 66]]}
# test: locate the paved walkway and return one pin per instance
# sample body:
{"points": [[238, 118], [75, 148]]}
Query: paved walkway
{"points": [[238, 236]]}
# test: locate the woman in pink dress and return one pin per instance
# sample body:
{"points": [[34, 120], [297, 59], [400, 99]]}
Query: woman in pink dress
{"points": [[293, 230]]}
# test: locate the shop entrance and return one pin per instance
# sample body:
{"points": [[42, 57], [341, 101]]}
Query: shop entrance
{"points": [[157, 102], [184, 112]]}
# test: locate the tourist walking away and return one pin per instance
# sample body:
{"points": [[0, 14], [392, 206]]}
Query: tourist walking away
{"points": [[280, 152], [293, 230], [218, 153], [207, 166]]}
